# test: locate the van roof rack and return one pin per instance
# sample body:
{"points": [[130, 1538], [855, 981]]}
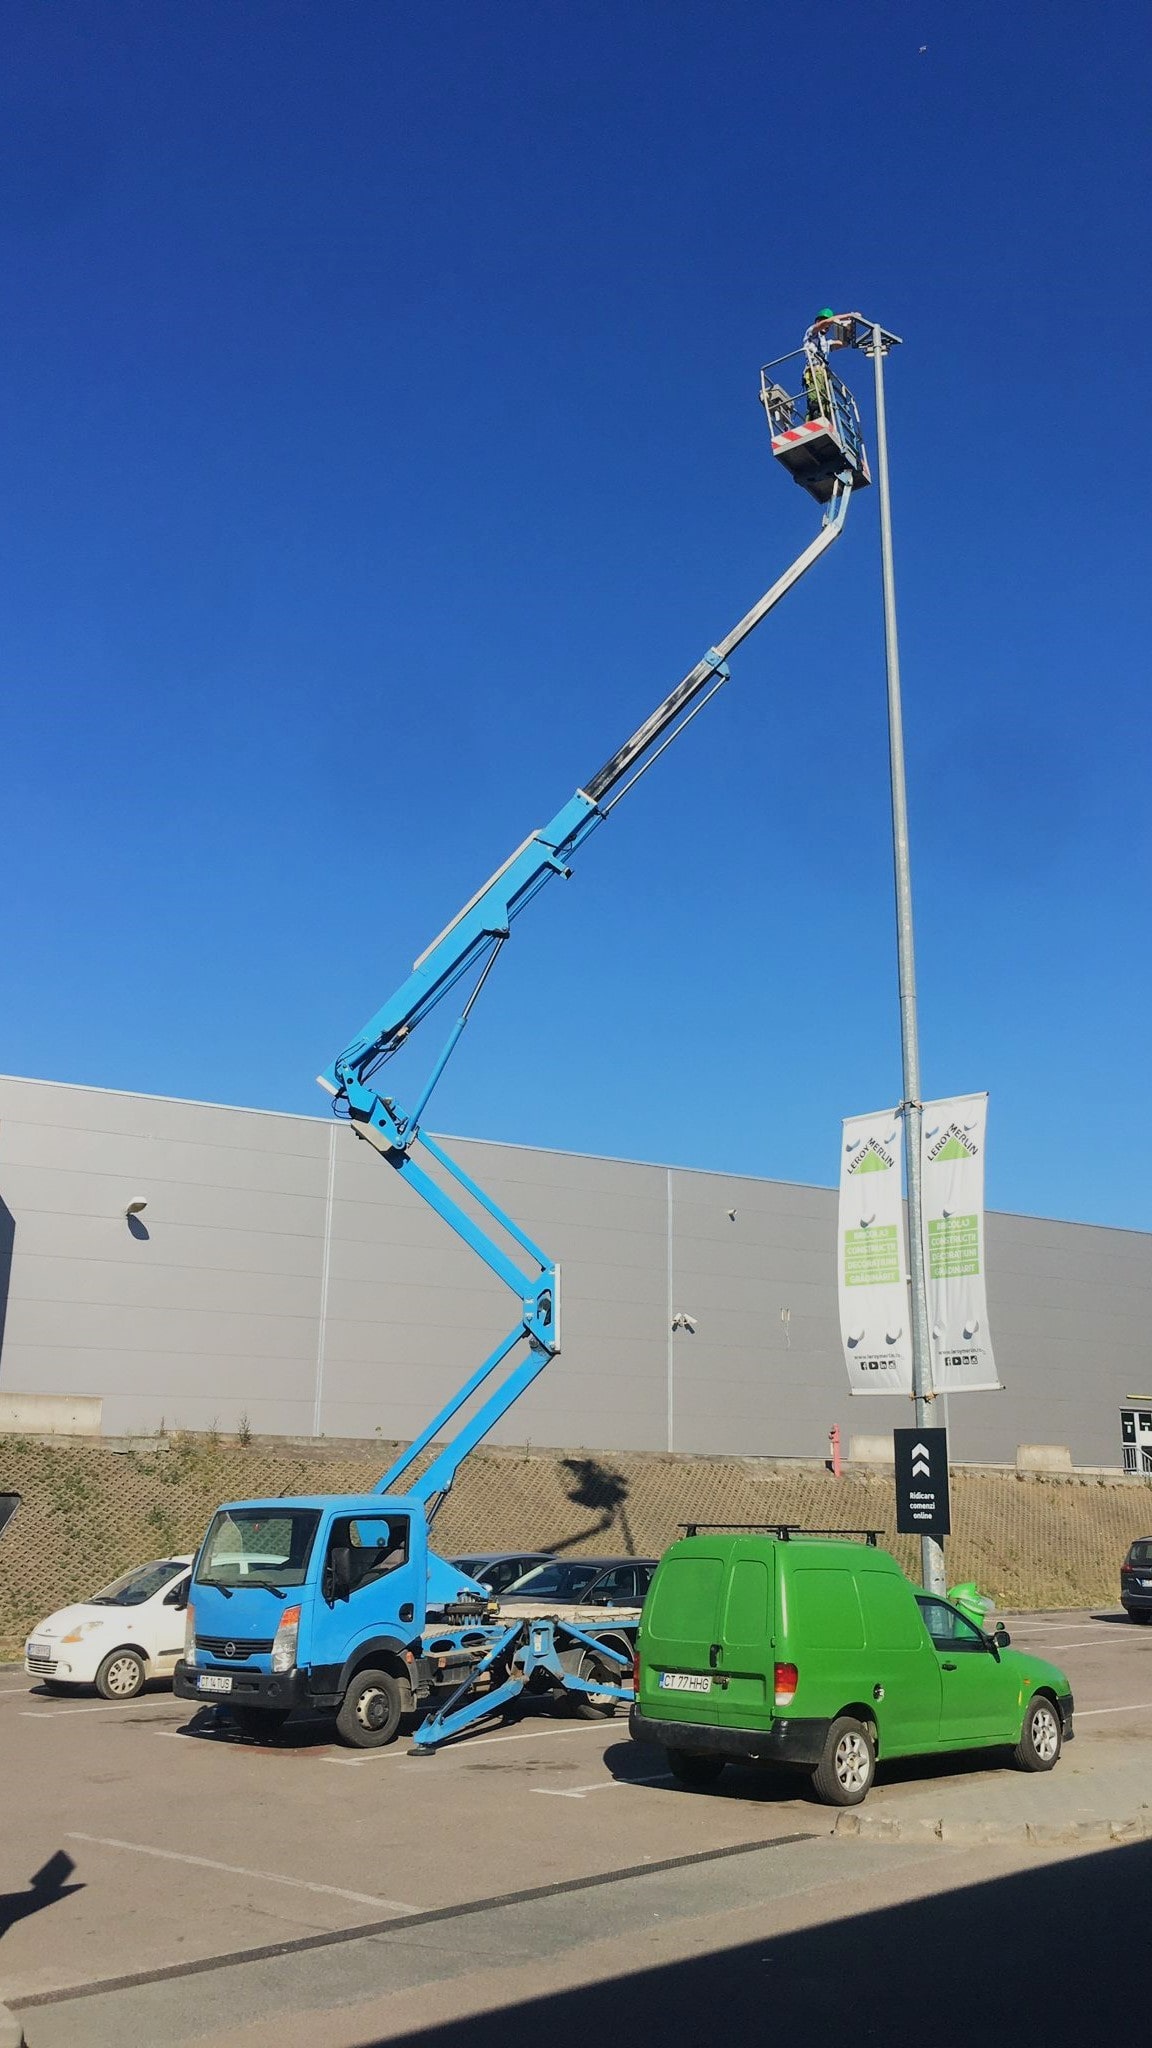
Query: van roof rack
{"points": [[784, 1530]]}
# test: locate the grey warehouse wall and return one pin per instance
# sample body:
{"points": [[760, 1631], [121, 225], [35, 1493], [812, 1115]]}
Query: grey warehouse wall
{"points": [[281, 1272]]}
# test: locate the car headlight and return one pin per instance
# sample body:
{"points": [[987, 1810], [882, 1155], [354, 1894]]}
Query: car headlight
{"points": [[85, 1628], [284, 1640], [190, 1634]]}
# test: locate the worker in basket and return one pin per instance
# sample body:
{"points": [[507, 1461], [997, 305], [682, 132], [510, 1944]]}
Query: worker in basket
{"points": [[822, 337]]}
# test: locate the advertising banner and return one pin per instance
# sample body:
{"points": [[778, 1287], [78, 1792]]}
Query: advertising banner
{"points": [[952, 1178], [873, 1272]]}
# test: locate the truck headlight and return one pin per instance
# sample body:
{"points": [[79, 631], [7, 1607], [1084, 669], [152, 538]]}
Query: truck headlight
{"points": [[190, 1634], [284, 1640]]}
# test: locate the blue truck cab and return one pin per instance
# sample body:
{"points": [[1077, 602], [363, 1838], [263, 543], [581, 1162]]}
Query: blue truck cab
{"points": [[330, 1603]]}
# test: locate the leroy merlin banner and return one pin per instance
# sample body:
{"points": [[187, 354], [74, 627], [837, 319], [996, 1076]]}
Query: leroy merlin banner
{"points": [[873, 1273], [952, 1178]]}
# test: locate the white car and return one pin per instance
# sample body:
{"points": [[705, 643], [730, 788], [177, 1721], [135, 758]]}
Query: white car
{"points": [[120, 1638]]}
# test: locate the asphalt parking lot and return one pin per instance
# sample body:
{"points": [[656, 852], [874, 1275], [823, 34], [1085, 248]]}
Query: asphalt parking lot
{"points": [[230, 1880]]}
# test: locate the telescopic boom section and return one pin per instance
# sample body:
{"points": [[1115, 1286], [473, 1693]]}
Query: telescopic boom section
{"points": [[466, 951]]}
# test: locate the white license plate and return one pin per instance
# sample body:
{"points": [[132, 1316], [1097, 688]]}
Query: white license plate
{"points": [[40, 1649], [685, 1681], [211, 1681]]}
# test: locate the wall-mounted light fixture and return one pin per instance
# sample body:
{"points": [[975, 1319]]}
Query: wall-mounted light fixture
{"points": [[136, 1208], [682, 1322]]}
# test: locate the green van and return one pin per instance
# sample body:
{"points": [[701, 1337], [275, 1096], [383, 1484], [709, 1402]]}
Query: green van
{"points": [[808, 1649]]}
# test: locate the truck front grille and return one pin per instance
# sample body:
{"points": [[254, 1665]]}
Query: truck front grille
{"points": [[233, 1649]]}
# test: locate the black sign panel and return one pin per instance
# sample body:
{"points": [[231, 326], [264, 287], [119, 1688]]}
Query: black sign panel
{"points": [[922, 1482]]}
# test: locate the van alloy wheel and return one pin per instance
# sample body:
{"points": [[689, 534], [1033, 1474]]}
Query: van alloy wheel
{"points": [[844, 1774], [1042, 1736], [852, 1762]]}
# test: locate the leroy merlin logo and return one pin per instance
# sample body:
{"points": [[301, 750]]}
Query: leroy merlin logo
{"points": [[873, 1158], [952, 1144]]}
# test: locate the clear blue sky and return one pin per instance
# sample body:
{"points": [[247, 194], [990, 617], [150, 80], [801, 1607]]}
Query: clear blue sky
{"points": [[380, 442]]}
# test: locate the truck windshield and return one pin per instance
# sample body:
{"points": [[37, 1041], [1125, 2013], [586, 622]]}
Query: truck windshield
{"points": [[553, 1582], [258, 1547], [138, 1585]]}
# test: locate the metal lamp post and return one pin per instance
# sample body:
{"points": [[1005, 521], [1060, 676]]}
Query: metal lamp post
{"points": [[875, 341]]}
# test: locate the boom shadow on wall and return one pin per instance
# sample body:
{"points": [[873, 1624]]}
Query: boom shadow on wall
{"points": [[596, 1486]]}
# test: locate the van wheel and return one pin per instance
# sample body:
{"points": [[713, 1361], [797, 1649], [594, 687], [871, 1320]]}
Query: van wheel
{"points": [[371, 1710], [688, 1767], [1041, 1737], [1140, 1614], [121, 1676], [844, 1774]]}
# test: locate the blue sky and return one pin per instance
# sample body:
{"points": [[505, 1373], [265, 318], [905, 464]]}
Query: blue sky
{"points": [[380, 443]]}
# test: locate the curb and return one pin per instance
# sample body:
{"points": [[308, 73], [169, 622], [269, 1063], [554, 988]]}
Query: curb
{"points": [[974, 1834], [11, 2031]]}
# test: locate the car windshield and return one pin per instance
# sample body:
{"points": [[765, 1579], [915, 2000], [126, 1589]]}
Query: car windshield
{"points": [[553, 1582], [258, 1547], [138, 1585], [1140, 1553]]}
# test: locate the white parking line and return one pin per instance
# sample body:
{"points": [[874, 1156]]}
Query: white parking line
{"points": [[1070, 1643], [1138, 1707], [66, 1713], [403, 1756], [237, 1870], [601, 1785]]}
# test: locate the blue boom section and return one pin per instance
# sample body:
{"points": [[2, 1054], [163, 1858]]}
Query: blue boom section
{"points": [[465, 952]]}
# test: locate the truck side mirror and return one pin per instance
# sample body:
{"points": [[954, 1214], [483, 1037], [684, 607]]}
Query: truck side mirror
{"points": [[338, 1574], [1001, 1637]]}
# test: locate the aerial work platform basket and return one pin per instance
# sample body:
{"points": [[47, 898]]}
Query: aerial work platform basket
{"points": [[816, 433]]}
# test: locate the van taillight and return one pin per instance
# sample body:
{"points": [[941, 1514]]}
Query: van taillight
{"points": [[785, 1679], [636, 1673]]}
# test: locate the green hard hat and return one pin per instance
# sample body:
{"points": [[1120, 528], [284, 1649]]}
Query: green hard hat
{"points": [[825, 313]]}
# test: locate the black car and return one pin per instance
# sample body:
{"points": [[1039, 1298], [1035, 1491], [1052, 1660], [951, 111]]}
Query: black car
{"points": [[1136, 1580], [497, 1568]]}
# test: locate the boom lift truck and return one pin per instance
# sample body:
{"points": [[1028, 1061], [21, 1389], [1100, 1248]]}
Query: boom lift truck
{"points": [[338, 1602]]}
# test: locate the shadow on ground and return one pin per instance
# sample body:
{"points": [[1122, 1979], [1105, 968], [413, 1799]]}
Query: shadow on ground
{"points": [[760, 1784], [1037, 1957], [46, 1888]]}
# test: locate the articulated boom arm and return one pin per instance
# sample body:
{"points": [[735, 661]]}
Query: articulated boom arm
{"points": [[468, 947]]}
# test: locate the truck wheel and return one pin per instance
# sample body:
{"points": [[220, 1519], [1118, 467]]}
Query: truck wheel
{"points": [[370, 1714], [121, 1676], [844, 1774], [1041, 1737], [688, 1767], [594, 1706], [259, 1722]]}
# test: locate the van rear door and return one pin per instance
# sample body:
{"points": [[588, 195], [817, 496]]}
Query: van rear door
{"points": [[679, 1634], [747, 1623]]}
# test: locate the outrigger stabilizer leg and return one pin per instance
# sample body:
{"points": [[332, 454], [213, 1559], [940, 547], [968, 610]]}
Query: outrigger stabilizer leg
{"points": [[527, 1649]]}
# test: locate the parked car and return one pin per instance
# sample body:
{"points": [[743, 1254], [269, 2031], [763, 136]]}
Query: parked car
{"points": [[601, 1595], [581, 1589], [130, 1632], [497, 1568], [1136, 1580], [819, 1655]]}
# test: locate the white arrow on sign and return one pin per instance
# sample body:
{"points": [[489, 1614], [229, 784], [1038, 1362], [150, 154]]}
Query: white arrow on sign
{"points": [[921, 1467]]}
